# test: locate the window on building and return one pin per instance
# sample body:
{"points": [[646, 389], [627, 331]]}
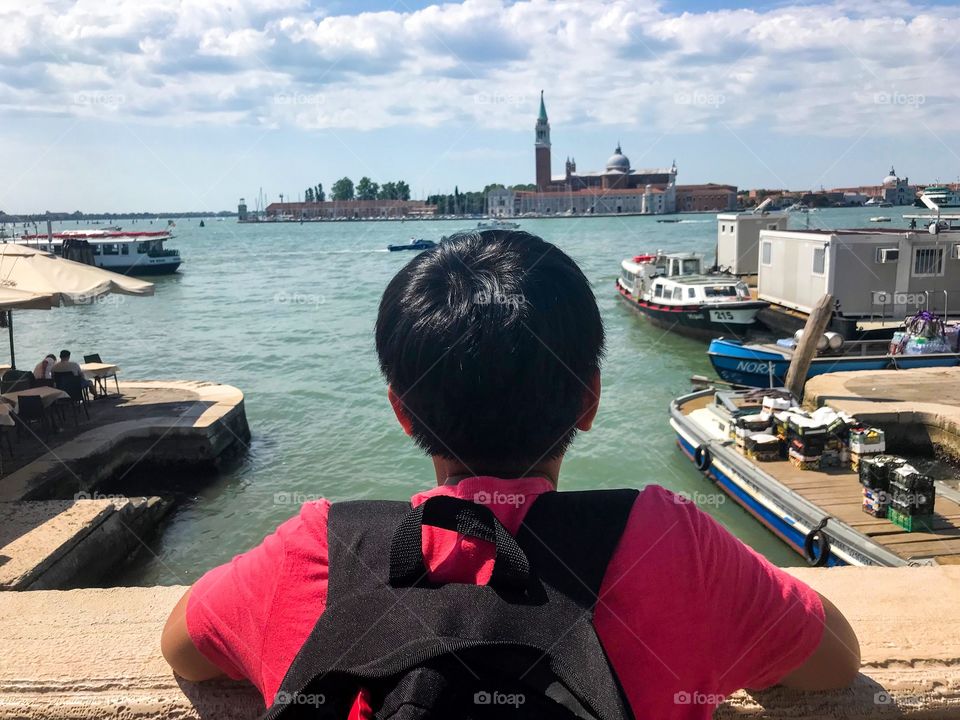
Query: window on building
{"points": [[766, 252], [723, 228], [927, 261], [819, 260]]}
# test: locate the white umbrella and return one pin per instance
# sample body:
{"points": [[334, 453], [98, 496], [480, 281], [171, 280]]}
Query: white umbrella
{"points": [[32, 278]]}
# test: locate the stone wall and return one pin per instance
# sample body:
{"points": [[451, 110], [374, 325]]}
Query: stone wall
{"points": [[95, 653]]}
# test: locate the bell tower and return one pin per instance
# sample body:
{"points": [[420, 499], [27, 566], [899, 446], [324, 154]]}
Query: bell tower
{"points": [[542, 147]]}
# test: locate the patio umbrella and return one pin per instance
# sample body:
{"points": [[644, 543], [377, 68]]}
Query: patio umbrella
{"points": [[31, 278]]}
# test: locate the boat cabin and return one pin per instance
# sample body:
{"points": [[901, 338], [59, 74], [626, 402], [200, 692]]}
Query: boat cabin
{"points": [[678, 279], [873, 274]]}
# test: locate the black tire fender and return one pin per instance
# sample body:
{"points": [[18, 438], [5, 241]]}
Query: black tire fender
{"points": [[702, 458], [816, 546]]}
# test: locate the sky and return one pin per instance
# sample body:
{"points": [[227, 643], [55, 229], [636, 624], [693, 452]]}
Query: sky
{"points": [[130, 105]]}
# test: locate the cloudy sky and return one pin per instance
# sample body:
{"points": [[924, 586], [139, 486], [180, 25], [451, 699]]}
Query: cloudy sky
{"points": [[164, 105]]}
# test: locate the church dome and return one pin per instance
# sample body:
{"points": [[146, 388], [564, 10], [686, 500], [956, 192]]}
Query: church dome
{"points": [[618, 162], [891, 180]]}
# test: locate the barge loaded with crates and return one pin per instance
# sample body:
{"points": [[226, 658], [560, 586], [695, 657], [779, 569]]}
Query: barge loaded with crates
{"points": [[821, 482]]}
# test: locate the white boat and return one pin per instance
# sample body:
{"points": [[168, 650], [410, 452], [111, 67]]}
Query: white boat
{"points": [[880, 218], [937, 197], [128, 253], [497, 225], [675, 293]]}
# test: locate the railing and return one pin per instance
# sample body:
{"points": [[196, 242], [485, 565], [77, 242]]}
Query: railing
{"points": [[936, 301]]}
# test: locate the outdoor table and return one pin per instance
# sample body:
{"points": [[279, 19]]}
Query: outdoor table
{"points": [[49, 396], [99, 372]]}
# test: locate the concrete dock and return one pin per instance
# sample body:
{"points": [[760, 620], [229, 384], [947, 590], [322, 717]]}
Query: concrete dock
{"points": [[95, 654], [65, 518]]}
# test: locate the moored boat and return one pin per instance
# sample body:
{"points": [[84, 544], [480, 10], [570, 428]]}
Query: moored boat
{"points": [[820, 511], [124, 252], [675, 293], [497, 224], [766, 364]]}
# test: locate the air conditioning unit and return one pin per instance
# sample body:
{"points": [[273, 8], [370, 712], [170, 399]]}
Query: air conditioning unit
{"points": [[888, 255]]}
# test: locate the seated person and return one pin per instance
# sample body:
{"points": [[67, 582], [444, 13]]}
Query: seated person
{"points": [[67, 365], [44, 368], [494, 393]]}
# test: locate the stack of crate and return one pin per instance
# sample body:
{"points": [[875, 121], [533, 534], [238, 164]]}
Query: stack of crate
{"points": [[807, 438], [912, 497], [875, 474], [865, 442], [763, 447], [747, 425]]}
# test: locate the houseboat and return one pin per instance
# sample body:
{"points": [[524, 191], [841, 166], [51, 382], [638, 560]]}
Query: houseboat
{"points": [[675, 293], [128, 253], [815, 510]]}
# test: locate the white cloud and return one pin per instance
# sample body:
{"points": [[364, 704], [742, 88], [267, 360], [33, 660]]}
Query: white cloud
{"points": [[833, 69]]}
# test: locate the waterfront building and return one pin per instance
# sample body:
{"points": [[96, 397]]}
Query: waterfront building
{"points": [[710, 197], [892, 189], [348, 209]]}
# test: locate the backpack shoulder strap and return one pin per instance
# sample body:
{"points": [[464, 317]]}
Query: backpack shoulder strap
{"points": [[571, 536]]}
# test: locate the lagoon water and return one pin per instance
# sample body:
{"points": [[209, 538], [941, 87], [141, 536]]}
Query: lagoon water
{"points": [[285, 312]]}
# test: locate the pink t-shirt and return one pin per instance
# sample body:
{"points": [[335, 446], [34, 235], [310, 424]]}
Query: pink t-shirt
{"points": [[687, 613]]}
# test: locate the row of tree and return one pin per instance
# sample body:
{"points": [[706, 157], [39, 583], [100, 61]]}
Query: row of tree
{"points": [[365, 189]]}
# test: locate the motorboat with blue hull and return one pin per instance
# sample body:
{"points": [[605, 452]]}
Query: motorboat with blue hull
{"points": [[814, 512], [414, 244], [676, 293], [766, 364]]}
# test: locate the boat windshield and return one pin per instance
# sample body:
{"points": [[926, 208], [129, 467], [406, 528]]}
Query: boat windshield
{"points": [[690, 266], [712, 291]]}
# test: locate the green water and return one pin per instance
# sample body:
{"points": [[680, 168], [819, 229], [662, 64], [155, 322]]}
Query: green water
{"points": [[285, 312]]}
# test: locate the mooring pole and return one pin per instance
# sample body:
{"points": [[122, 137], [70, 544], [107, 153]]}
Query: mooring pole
{"points": [[817, 323]]}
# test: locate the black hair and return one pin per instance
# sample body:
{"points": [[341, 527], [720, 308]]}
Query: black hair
{"points": [[64, 354], [491, 340], [51, 356]]}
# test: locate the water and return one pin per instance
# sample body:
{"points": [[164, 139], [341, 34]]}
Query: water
{"points": [[285, 312]]}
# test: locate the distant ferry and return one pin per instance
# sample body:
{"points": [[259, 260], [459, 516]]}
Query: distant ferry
{"points": [[674, 292], [497, 225], [128, 253], [937, 197]]}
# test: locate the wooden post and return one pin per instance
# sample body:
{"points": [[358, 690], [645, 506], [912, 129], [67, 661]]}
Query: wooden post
{"points": [[817, 323]]}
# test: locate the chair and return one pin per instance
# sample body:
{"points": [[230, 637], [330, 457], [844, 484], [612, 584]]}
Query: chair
{"points": [[101, 382], [15, 380], [30, 410], [95, 357], [73, 386]]}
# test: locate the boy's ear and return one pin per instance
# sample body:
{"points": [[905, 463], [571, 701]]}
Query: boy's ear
{"points": [[591, 403], [397, 404]]}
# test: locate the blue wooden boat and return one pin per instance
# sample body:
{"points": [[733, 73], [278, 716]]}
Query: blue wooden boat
{"points": [[765, 364]]}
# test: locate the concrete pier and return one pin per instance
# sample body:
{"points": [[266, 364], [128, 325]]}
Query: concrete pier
{"points": [[95, 654]]}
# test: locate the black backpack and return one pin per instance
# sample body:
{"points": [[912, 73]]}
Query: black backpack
{"points": [[522, 646]]}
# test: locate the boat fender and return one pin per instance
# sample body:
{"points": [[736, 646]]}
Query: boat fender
{"points": [[816, 546], [702, 458]]}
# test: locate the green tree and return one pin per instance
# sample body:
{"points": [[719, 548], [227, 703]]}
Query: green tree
{"points": [[308, 195], [342, 189], [388, 191], [319, 194], [367, 189], [403, 190]]}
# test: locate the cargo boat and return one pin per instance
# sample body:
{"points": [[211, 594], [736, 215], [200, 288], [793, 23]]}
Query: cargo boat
{"points": [[766, 364], [816, 513], [675, 293]]}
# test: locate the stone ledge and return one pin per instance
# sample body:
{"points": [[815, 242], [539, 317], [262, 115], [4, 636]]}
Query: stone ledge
{"points": [[95, 654]]}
